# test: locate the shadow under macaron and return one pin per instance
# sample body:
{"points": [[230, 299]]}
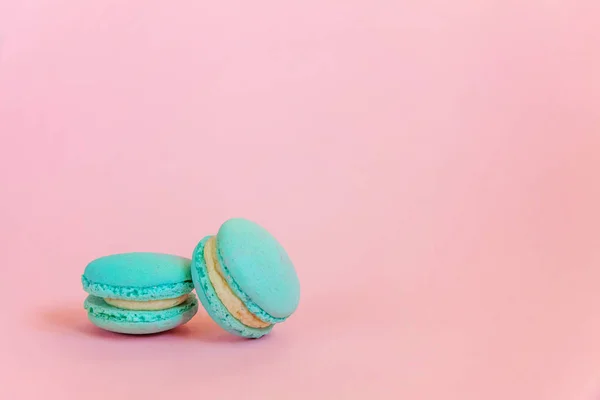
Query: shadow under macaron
{"points": [[70, 319], [203, 329], [73, 319]]}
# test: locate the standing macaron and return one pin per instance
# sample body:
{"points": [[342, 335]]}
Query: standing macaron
{"points": [[245, 279], [139, 293]]}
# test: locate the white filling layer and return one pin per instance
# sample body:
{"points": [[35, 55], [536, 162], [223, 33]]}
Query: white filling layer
{"points": [[151, 305]]}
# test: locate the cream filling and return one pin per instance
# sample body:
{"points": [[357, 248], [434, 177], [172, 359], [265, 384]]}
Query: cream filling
{"points": [[150, 305], [231, 302]]}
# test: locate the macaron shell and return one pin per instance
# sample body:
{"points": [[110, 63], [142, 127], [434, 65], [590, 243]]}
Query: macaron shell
{"points": [[118, 320], [166, 291], [209, 299], [138, 270], [258, 269]]}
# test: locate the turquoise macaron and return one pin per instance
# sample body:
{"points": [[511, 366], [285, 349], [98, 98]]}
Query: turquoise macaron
{"points": [[245, 279], [139, 293]]}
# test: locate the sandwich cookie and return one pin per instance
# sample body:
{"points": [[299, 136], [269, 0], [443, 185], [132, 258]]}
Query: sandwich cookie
{"points": [[139, 293], [245, 279]]}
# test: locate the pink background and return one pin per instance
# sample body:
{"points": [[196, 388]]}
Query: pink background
{"points": [[431, 168]]}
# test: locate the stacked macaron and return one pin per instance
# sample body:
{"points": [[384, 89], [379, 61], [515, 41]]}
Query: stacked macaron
{"points": [[139, 293], [243, 276]]}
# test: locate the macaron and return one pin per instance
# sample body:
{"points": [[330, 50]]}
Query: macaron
{"points": [[245, 279], [139, 293]]}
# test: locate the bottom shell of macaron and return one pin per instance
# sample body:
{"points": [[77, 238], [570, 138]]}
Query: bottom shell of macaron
{"points": [[139, 322]]}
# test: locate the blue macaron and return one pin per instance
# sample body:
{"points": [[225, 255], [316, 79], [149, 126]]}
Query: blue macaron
{"points": [[139, 293], [245, 279]]}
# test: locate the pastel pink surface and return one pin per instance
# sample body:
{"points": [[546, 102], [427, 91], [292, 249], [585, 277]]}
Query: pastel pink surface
{"points": [[431, 167]]}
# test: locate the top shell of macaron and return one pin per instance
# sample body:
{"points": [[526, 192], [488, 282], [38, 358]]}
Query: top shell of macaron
{"points": [[138, 270], [258, 268]]}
